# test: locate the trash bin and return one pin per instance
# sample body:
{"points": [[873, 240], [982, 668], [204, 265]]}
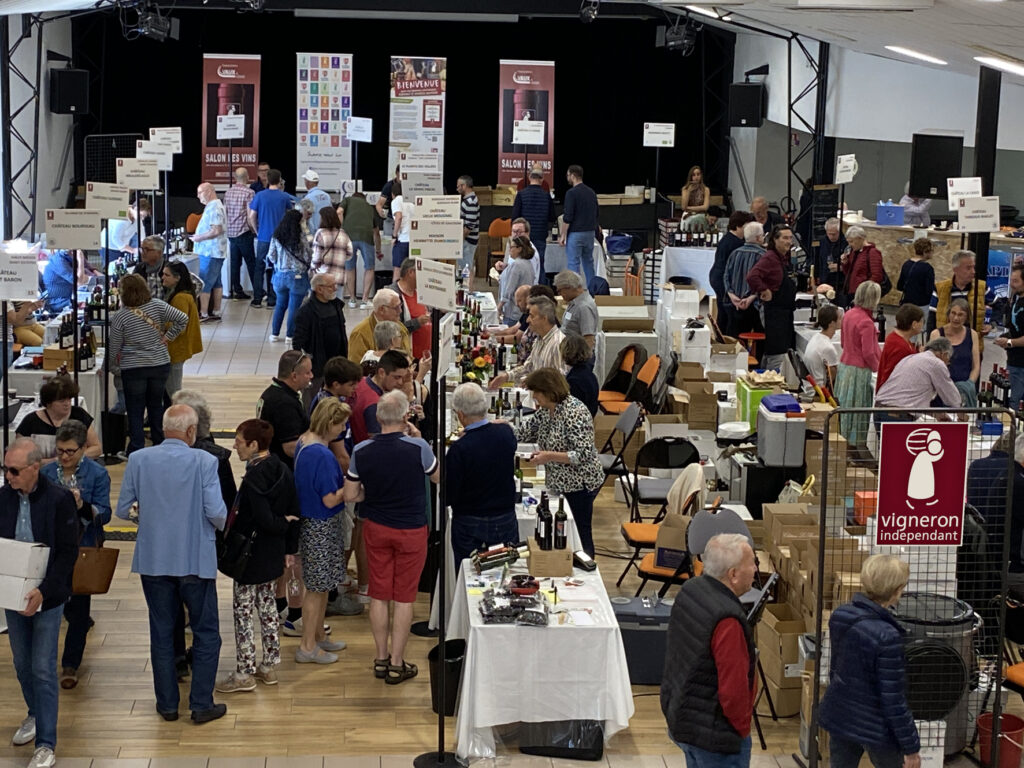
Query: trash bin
{"points": [[454, 656]]}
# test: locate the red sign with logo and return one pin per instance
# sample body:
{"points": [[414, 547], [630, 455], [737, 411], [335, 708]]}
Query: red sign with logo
{"points": [[527, 92], [922, 478], [231, 86]]}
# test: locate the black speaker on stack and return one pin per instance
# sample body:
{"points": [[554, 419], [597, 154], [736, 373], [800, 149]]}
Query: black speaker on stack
{"points": [[748, 105], [933, 159], [69, 91]]}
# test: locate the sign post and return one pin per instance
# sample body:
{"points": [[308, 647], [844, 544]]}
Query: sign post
{"points": [[659, 135], [528, 133], [229, 128], [359, 129]]}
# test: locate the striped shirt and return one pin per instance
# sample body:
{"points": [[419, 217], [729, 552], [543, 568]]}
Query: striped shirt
{"points": [[469, 212], [332, 248], [137, 334], [546, 353], [236, 207], [738, 265]]}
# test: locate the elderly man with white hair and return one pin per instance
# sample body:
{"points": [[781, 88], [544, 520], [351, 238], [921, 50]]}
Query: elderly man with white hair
{"points": [[385, 475], [210, 244], [829, 252], [180, 508], [581, 315], [479, 482], [387, 305], [546, 351], [708, 687], [320, 329], [744, 317]]}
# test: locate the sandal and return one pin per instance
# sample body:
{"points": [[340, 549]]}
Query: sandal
{"points": [[380, 668], [401, 673]]}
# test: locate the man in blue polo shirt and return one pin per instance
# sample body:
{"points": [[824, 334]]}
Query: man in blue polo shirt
{"points": [[480, 486], [579, 223], [315, 195], [265, 212]]}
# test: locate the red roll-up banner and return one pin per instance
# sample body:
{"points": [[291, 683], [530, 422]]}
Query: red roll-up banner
{"points": [[527, 92], [231, 86]]}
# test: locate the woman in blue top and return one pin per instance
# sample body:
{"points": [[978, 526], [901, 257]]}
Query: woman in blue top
{"points": [[290, 256], [965, 367], [89, 483], [868, 675], [319, 480]]}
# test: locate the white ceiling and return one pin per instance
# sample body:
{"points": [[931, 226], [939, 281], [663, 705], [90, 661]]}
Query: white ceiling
{"points": [[953, 30]]}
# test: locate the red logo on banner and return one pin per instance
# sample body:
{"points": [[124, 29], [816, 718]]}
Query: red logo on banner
{"points": [[922, 475]]}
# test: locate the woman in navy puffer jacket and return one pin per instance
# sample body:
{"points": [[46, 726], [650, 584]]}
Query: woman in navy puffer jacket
{"points": [[865, 705]]}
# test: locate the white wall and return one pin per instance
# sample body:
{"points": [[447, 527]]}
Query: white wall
{"points": [[53, 129]]}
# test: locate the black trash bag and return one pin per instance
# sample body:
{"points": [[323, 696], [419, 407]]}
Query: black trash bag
{"points": [[454, 657], [569, 739]]}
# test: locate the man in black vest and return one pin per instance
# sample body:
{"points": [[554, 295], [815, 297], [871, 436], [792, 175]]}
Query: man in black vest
{"points": [[707, 690]]}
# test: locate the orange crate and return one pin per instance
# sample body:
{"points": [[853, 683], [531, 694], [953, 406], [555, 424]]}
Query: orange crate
{"points": [[865, 504]]}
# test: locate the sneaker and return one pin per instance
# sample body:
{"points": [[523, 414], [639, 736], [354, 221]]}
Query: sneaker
{"points": [[294, 628], [364, 593], [240, 296], [26, 732], [215, 712], [256, 304], [319, 656], [266, 675], [344, 605], [268, 305], [42, 758], [274, 337], [236, 682], [213, 318], [352, 304], [332, 647], [364, 305], [288, 341], [206, 318]]}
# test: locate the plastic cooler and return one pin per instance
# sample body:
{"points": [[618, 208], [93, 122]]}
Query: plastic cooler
{"points": [[781, 429], [644, 631]]}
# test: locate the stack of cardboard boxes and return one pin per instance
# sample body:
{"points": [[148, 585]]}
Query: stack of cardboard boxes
{"points": [[22, 569]]}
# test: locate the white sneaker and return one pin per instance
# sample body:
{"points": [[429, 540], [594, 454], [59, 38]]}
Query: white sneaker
{"points": [[364, 305], [352, 304], [26, 732], [274, 337], [43, 758], [364, 593], [288, 341]]}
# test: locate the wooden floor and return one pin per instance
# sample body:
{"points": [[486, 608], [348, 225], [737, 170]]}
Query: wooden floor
{"points": [[337, 716]]}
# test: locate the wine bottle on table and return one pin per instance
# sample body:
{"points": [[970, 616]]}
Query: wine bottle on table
{"points": [[561, 520], [518, 474], [549, 533]]}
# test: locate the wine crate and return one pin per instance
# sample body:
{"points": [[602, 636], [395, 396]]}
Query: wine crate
{"points": [[549, 562]]}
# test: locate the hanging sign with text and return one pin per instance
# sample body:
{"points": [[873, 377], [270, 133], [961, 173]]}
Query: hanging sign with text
{"points": [[19, 272], [167, 137], [150, 150], [137, 174], [435, 284], [958, 189], [978, 214], [437, 239], [846, 168], [659, 134], [111, 200], [529, 133], [71, 228], [230, 127], [922, 476]]}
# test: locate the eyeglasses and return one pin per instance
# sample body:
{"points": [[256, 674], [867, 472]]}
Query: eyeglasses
{"points": [[67, 451], [13, 471], [299, 361]]}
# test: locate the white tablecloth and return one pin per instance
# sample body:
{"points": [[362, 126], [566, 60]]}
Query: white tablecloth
{"points": [[90, 383], [534, 674], [694, 263], [555, 259], [488, 307], [527, 524]]}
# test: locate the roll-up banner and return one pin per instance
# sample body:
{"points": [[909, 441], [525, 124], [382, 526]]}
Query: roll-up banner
{"points": [[417, 108], [324, 104], [527, 91], [231, 86]]}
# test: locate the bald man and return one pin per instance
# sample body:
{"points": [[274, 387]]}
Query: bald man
{"points": [[241, 237], [764, 217], [211, 246]]}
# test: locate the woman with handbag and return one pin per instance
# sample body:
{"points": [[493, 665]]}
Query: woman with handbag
{"points": [[139, 334], [290, 257], [260, 539], [89, 483]]}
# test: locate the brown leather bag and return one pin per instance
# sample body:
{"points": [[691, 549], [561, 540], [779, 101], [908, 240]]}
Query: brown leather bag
{"points": [[94, 570]]}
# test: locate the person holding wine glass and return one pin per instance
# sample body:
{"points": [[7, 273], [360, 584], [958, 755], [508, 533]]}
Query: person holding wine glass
{"points": [[89, 483], [56, 398]]}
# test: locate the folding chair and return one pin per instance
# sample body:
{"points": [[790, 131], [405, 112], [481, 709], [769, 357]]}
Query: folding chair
{"points": [[641, 536], [641, 391], [633, 279], [648, 570], [498, 229], [660, 453], [611, 458]]}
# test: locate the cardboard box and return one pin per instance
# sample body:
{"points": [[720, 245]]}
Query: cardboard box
{"points": [[664, 425], [14, 590], [816, 413], [814, 452], [687, 371], [485, 195], [624, 313], [779, 632], [845, 586], [549, 562], [786, 700], [670, 546], [702, 410], [25, 560], [728, 358], [865, 504], [503, 198], [54, 357]]}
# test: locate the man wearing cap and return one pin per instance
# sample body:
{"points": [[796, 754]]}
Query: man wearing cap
{"points": [[316, 196]]}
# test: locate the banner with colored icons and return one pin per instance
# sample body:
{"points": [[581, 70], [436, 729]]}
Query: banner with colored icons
{"points": [[324, 105]]}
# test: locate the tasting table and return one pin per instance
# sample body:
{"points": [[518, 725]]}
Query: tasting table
{"points": [[27, 381], [570, 670], [555, 259]]}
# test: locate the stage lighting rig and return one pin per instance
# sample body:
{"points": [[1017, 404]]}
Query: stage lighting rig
{"points": [[588, 10]]}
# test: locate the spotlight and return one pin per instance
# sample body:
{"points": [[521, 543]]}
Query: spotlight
{"points": [[682, 38], [588, 10]]}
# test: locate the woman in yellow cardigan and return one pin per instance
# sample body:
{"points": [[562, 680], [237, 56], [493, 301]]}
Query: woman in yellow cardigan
{"points": [[181, 294]]}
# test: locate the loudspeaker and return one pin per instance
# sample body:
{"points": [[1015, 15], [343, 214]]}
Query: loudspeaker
{"points": [[69, 91], [748, 105], [933, 159]]}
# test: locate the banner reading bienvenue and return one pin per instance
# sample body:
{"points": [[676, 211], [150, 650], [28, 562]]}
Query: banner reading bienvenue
{"points": [[324, 105], [527, 92], [417, 108], [231, 86]]}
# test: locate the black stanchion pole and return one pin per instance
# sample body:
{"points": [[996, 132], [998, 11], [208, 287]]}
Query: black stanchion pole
{"points": [[7, 366], [75, 266], [167, 214], [109, 459], [437, 391]]}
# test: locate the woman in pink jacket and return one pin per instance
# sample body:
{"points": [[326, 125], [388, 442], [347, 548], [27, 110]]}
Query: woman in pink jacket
{"points": [[859, 360]]}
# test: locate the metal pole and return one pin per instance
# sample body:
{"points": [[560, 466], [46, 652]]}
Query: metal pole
{"points": [[167, 214], [5, 130], [35, 126]]}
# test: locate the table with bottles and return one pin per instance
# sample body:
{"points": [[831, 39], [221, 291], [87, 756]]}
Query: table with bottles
{"points": [[555, 259], [694, 262], [573, 669]]}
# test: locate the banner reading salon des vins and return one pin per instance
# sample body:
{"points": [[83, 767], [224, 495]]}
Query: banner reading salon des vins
{"points": [[527, 92], [231, 86], [417, 108], [324, 104]]}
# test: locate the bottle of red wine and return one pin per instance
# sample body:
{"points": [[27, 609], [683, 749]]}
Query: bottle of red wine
{"points": [[549, 534], [561, 520], [538, 533]]}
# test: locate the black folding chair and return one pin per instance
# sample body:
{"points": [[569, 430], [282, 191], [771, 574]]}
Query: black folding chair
{"points": [[659, 453], [612, 458]]}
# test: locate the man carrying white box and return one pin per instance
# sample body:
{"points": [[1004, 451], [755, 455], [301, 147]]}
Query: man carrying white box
{"points": [[34, 511]]}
